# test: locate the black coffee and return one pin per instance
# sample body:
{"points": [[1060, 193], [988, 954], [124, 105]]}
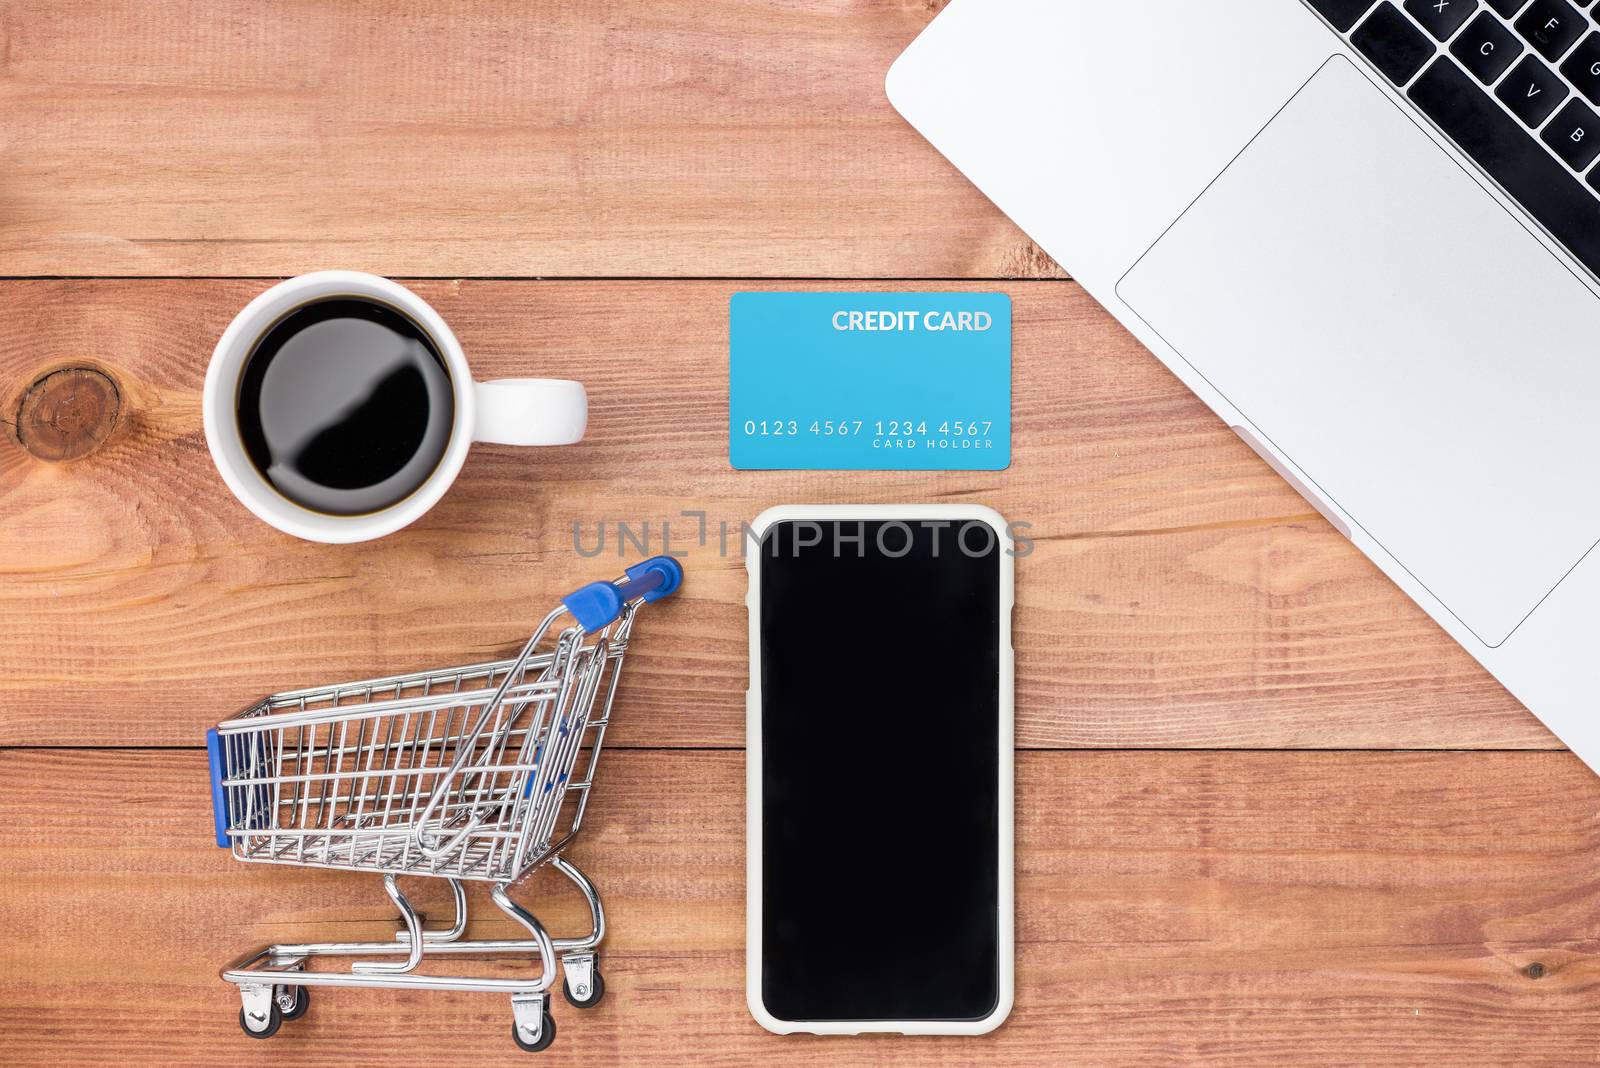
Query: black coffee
{"points": [[345, 406]]}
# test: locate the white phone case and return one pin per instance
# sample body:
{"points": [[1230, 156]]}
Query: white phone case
{"points": [[1006, 919]]}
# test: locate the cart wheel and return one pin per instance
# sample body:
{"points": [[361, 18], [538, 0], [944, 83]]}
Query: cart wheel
{"points": [[547, 1035], [274, 1021], [302, 1002], [596, 992]]}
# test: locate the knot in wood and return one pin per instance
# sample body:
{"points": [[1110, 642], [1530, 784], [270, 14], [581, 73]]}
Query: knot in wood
{"points": [[68, 413]]}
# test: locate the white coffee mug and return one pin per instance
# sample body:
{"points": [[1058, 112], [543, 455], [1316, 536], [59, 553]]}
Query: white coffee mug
{"points": [[507, 411]]}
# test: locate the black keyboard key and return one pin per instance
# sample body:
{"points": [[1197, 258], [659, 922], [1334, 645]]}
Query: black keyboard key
{"points": [[1441, 17], [1486, 48], [1575, 135], [1551, 26], [1506, 8], [1393, 43], [1532, 177], [1594, 179], [1532, 90], [1582, 68], [1342, 13]]}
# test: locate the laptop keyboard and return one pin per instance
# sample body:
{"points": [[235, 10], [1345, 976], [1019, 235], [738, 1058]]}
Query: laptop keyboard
{"points": [[1514, 83]]}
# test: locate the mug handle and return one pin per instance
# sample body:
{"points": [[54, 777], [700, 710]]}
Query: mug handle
{"points": [[530, 411]]}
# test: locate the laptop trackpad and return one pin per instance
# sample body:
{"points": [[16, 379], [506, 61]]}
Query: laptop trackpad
{"points": [[1399, 336]]}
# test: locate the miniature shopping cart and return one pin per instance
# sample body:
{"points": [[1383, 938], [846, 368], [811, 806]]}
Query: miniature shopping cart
{"points": [[463, 774]]}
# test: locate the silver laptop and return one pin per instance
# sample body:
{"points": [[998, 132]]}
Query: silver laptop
{"points": [[1367, 235]]}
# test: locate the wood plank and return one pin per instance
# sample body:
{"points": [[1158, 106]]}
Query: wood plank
{"points": [[1179, 593], [613, 137], [1173, 908]]}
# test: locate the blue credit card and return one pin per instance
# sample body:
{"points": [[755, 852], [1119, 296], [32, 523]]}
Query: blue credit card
{"points": [[869, 381]]}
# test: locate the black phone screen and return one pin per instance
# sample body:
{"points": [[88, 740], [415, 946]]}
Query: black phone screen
{"points": [[880, 815]]}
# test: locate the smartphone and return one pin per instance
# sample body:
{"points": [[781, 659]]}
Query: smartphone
{"points": [[879, 770]]}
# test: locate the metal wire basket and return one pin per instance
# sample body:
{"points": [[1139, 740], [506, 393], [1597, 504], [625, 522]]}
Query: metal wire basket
{"points": [[474, 773]]}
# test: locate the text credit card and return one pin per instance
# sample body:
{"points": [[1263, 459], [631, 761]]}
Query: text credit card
{"points": [[869, 381]]}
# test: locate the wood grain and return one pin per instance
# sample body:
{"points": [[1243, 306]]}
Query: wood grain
{"points": [[1233, 909], [1179, 593], [608, 138], [1195, 907]]}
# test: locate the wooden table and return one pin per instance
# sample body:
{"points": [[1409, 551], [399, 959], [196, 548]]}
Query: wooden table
{"points": [[1267, 812]]}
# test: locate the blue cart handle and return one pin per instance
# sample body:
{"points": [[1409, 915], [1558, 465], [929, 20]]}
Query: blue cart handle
{"points": [[599, 603]]}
